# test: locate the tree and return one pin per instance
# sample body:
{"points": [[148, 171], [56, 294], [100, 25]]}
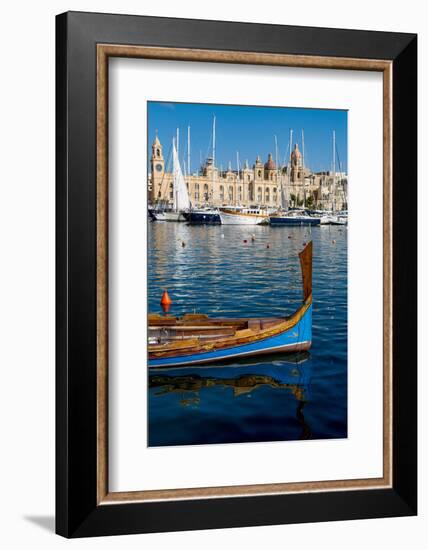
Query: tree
{"points": [[310, 201]]}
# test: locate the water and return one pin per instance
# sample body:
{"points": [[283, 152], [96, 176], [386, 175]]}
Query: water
{"points": [[267, 398]]}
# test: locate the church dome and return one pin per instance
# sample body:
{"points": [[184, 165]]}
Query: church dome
{"points": [[270, 165], [296, 153]]}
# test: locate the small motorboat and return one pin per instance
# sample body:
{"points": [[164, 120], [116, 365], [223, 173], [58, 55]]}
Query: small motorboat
{"points": [[297, 217], [199, 339], [168, 215], [204, 216]]}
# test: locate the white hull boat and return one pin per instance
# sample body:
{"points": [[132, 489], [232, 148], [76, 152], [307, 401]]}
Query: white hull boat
{"points": [[332, 219], [340, 220], [169, 216], [242, 217], [326, 219]]}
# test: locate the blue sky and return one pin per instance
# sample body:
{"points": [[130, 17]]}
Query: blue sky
{"points": [[250, 131]]}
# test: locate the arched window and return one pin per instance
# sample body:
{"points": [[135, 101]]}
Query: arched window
{"points": [[240, 193], [205, 191], [249, 177], [259, 195], [275, 194], [267, 195], [259, 173], [221, 193], [251, 191], [230, 193], [158, 152], [197, 191]]}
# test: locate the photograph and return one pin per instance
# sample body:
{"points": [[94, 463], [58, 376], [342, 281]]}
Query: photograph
{"points": [[212, 275], [247, 273]]}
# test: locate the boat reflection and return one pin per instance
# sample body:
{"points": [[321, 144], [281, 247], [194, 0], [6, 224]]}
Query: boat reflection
{"points": [[290, 373]]}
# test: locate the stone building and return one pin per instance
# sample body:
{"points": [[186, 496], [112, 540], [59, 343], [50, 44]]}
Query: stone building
{"points": [[263, 184]]}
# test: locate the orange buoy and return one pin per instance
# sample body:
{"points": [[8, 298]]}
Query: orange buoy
{"points": [[165, 300]]}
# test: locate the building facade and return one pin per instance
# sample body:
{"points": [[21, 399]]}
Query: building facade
{"points": [[264, 184]]}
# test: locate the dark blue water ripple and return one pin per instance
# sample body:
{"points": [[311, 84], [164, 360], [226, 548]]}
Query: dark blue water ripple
{"points": [[267, 399]]}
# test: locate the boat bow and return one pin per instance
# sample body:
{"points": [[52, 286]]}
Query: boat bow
{"points": [[197, 338]]}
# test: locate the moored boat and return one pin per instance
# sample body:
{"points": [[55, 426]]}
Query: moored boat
{"points": [[293, 218], [204, 216], [168, 216], [243, 216], [340, 219], [181, 203], [199, 339]]}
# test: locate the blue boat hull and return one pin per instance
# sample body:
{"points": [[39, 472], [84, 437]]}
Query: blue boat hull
{"points": [[298, 338], [289, 220], [203, 218]]}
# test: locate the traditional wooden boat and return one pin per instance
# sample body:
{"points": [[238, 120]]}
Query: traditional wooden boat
{"points": [[199, 339], [243, 216]]}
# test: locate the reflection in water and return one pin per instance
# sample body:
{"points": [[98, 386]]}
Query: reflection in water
{"points": [[263, 398], [189, 386]]}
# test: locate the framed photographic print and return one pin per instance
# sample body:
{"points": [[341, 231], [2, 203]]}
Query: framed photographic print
{"points": [[236, 274]]}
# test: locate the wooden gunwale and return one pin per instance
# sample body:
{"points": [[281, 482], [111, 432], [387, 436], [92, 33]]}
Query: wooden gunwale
{"points": [[248, 214], [191, 346]]}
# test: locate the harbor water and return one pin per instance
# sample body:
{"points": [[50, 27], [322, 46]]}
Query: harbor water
{"points": [[223, 272]]}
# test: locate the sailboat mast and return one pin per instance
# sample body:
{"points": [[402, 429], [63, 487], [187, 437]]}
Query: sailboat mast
{"points": [[174, 174], [334, 170], [177, 142], [188, 150], [303, 149], [276, 159], [289, 162], [237, 177], [276, 150], [213, 141], [303, 168]]}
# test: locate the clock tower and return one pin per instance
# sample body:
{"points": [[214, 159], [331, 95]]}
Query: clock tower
{"points": [[157, 168]]}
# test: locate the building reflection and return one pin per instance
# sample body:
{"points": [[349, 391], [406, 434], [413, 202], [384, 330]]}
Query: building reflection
{"points": [[289, 373]]}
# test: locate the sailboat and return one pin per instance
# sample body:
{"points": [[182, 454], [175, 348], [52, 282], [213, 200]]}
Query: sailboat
{"points": [[199, 339], [292, 217], [181, 200], [239, 215], [205, 215], [334, 217]]}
